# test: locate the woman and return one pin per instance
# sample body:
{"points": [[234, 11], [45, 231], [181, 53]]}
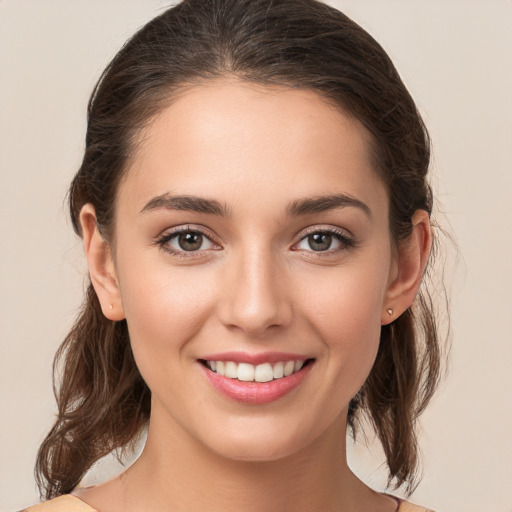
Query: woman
{"points": [[256, 220]]}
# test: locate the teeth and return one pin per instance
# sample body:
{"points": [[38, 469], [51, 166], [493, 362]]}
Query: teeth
{"points": [[230, 370], [263, 373], [278, 370], [288, 368], [245, 372], [260, 373]]}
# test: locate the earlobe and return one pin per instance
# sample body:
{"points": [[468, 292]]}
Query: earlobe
{"points": [[412, 259], [101, 265]]}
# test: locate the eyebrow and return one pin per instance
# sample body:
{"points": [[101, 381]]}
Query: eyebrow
{"points": [[298, 207], [319, 204], [186, 203]]}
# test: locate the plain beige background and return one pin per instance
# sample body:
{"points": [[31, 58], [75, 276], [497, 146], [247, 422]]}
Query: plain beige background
{"points": [[455, 57]]}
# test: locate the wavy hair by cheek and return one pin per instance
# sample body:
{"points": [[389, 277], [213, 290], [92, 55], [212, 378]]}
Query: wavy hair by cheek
{"points": [[103, 402]]}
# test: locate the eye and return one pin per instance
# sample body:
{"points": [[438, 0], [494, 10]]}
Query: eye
{"points": [[186, 241], [324, 240]]}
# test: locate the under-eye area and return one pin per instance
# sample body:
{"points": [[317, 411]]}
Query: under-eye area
{"points": [[264, 372]]}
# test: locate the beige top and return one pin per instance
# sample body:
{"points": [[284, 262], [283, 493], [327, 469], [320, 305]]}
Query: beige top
{"points": [[69, 503]]}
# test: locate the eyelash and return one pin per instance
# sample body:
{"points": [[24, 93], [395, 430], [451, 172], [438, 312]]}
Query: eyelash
{"points": [[163, 242], [343, 238]]}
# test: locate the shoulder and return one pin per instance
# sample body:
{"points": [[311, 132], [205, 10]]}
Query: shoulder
{"points": [[65, 503], [405, 506]]}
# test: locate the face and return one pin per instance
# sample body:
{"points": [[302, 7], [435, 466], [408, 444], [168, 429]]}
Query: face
{"points": [[252, 240]]}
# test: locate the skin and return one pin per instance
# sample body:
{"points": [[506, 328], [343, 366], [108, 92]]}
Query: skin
{"points": [[258, 286]]}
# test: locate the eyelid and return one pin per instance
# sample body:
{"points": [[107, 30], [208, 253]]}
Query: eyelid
{"points": [[163, 239], [344, 236]]}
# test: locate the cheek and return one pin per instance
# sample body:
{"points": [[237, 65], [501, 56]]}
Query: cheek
{"points": [[165, 308], [347, 303], [345, 313]]}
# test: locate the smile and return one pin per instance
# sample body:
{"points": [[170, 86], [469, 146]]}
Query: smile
{"points": [[247, 372], [259, 381]]}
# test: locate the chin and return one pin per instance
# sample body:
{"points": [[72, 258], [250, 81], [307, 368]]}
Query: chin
{"points": [[261, 443], [257, 452]]}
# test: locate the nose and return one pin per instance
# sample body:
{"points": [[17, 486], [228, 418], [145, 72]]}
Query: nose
{"points": [[254, 297]]}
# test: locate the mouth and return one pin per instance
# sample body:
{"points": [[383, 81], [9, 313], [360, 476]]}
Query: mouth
{"points": [[259, 383], [264, 372]]}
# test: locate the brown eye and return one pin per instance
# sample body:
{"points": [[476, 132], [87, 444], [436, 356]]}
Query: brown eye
{"points": [[186, 241], [190, 241], [323, 240], [320, 241]]}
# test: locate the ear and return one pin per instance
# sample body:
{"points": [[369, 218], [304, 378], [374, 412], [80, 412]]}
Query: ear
{"points": [[101, 265], [411, 260]]}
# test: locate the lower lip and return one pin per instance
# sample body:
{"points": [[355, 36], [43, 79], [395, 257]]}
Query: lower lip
{"points": [[256, 392]]}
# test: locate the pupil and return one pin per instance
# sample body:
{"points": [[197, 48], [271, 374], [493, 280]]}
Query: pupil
{"points": [[320, 241], [190, 241]]}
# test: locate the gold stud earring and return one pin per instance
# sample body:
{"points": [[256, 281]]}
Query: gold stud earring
{"points": [[110, 306], [390, 312]]}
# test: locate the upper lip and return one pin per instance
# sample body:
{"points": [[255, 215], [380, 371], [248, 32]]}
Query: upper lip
{"points": [[255, 358]]}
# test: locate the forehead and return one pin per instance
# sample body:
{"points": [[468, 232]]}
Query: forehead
{"points": [[226, 137]]}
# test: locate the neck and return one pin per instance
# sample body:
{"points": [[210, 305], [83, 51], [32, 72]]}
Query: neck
{"points": [[177, 472]]}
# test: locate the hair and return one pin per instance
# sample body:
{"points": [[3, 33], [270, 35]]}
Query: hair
{"points": [[103, 402]]}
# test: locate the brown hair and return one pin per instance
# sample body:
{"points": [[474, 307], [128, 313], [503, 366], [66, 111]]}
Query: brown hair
{"points": [[103, 403]]}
